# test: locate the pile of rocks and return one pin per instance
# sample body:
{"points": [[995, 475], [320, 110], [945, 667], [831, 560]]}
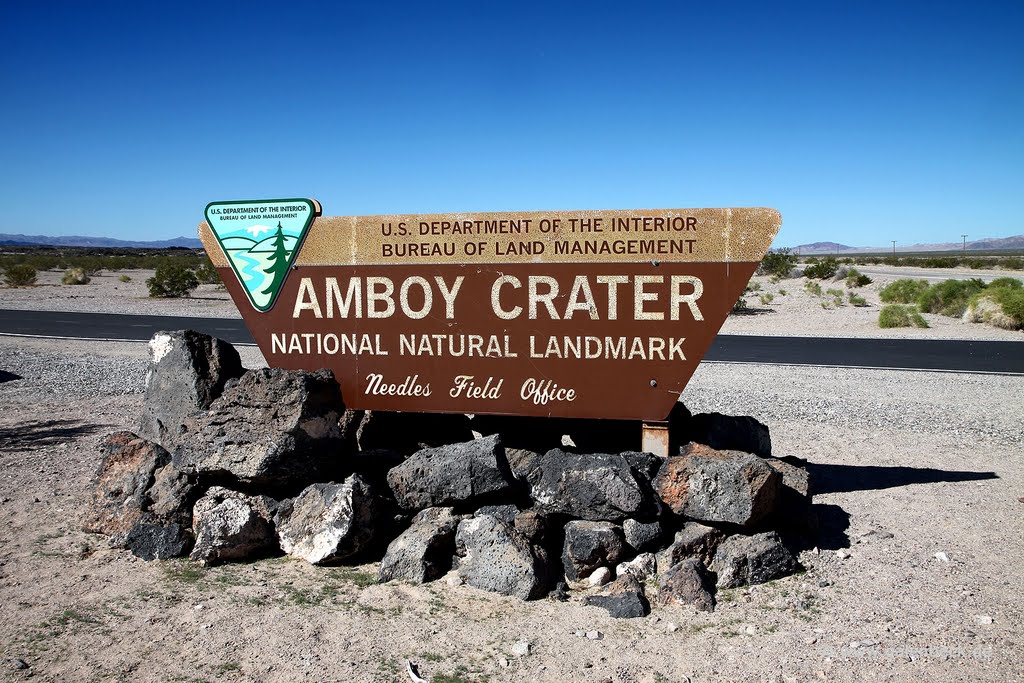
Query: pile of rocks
{"points": [[230, 464]]}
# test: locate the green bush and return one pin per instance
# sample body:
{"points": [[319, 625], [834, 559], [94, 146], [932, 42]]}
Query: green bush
{"points": [[75, 276], [766, 298], [858, 301], [812, 288], [124, 278], [895, 315], [740, 305], [855, 278], [20, 275], [823, 269], [1013, 263], [1009, 282], [171, 281], [1001, 307], [938, 262], [1012, 301], [950, 297], [903, 291], [207, 274], [779, 263]]}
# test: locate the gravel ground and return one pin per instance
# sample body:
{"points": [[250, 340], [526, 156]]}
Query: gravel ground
{"points": [[964, 406], [795, 312], [915, 576], [107, 294]]}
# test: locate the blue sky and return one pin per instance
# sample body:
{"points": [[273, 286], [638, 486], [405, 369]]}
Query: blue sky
{"points": [[862, 122]]}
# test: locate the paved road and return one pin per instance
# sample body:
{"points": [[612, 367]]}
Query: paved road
{"points": [[912, 354]]}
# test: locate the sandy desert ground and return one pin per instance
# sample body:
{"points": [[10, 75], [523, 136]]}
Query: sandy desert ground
{"points": [[916, 574]]}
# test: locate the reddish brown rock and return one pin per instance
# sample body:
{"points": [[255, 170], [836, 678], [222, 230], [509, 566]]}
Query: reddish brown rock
{"points": [[730, 487], [126, 473]]}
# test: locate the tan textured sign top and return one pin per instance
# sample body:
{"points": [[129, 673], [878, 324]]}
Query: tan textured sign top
{"points": [[613, 236]]}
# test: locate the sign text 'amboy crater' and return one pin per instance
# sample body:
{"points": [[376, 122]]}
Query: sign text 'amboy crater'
{"points": [[600, 314]]}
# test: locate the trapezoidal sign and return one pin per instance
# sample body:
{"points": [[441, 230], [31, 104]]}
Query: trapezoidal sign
{"points": [[588, 314]]}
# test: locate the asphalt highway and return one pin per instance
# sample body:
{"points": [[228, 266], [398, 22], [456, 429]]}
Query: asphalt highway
{"points": [[1002, 357]]}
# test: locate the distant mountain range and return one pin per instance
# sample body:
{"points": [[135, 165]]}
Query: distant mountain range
{"points": [[1014, 242], [80, 241], [989, 244]]}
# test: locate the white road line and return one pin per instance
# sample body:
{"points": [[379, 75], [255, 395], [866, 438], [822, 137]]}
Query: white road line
{"points": [[863, 367]]}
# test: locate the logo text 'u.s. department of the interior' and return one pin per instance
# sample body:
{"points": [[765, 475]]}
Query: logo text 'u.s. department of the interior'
{"points": [[260, 239]]}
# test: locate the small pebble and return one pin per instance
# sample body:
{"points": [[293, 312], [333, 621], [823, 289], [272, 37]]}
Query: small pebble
{"points": [[521, 649], [502, 662], [824, 584], [600, 576], [985, 620], [671, 627], [454, 581], [594, 635], [941, 557], [19, 664], [842, 554]]}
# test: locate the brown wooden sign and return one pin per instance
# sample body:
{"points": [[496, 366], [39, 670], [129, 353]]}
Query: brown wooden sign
{"points": [[596, 314]]}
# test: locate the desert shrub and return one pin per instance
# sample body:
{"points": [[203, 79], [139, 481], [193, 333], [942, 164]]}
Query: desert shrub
{"points": [[75, 276], [895, 315], [90, 264], [950, 297], [1010, 282], [834, 292], [19, 275], [740, 305], [1012, 302], [1013, 263], [766, 298], [823, 269], [778, 263], [124, 278], [42, 261], [207, 274], [854, 278], [1002, 308], [939, 262], [903, 291], [1001, 304], [812, 288], [783, 292], [171, 281], [754, 287], [855, 300]]}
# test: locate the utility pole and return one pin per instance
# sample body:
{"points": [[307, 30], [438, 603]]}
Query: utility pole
{"points": [[894, 247], [965, 244]]}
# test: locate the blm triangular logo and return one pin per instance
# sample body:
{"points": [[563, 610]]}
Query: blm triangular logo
{"points": [[260, 239]]}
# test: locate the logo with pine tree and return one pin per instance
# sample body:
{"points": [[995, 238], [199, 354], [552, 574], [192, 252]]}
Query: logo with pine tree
{"points": [[260, 240]]}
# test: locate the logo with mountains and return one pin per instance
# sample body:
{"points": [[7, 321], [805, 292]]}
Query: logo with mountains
{"points": [[260, 239]]}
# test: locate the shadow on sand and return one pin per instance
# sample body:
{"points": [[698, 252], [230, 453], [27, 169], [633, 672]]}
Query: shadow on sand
{"points": [[751, 311], [846, 478], [27, 436]]}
